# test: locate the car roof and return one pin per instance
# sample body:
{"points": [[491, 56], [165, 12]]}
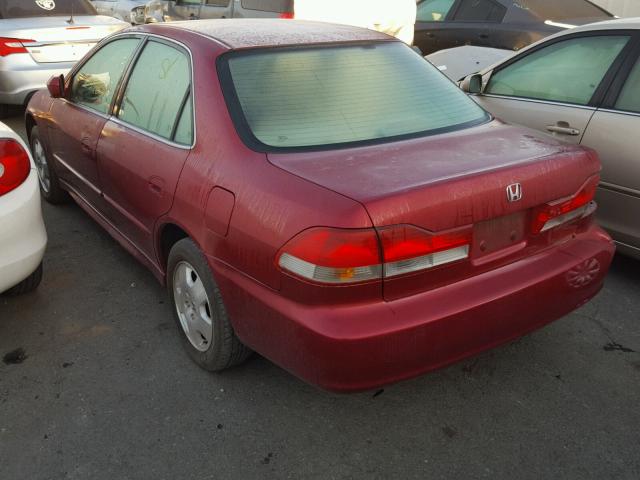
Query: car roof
{"points": [[251, 33], [615, 24]]}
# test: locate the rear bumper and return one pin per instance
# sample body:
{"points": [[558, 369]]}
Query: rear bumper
{"points": [[22, 233], [359, 347], [20, 76]]}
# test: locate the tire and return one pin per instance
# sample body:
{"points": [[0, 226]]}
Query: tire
{"points": [[29, 284], [50, 187], [203, 322]]}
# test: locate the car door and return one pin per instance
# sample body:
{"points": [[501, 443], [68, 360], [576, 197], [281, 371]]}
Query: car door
{"points": [[105, 7], [81, 115], [556, 86], [146, 142], [613, 132], [216, 9], [473, 22], [186, 10], [431, 20]]}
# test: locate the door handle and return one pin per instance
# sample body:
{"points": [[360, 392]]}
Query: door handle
{"points": [[431, 35], [156, 185], [484, 36], [563, 128]]}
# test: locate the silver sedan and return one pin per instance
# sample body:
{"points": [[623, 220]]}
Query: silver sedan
{"points": [[581, 86], [41, 38]]}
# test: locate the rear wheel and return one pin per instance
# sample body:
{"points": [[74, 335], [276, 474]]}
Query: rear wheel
{"points": [[29, 284], [49, 184], [207, 334]]}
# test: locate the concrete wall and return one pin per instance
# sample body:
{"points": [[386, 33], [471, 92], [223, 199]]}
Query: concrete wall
{"points": [[622, 8]]}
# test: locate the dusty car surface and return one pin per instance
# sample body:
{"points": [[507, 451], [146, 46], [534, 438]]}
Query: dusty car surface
{"points": [[40, 38], [130, 11], [582, 86], [393, 17], [322, 195], [23, 238], [505, 24]]}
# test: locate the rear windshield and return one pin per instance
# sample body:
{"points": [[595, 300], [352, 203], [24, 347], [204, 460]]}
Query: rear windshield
{"points": [[44, 8], [327, 96], [563, 10]]}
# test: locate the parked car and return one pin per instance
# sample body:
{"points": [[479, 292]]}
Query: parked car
{"points": [[41, 38], [394, 17], [22, 233], [581, 86], [505, 24], [325, 196], [174, 10], [130, 11], [459, 62]]}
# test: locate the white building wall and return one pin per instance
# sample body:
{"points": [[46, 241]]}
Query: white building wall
{"points": [[622, 8]]}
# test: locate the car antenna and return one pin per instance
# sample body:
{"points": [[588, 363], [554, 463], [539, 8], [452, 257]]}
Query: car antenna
{"points": [[71, 21]]}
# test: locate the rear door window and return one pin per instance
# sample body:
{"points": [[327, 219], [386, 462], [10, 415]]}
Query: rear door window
{"points": [[95, 83], [155, 94], [434, 10], [569, 71], [479, 11], [629, 99], [45, 8]]}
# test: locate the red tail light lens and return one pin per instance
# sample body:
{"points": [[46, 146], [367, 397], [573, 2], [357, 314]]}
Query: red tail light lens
{"points": [[9, 46], [14, 165], [287, 15], [336, 256], [409, 249], [552, 215]]}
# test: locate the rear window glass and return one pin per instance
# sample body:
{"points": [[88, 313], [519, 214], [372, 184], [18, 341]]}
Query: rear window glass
{"points": [[564, 10], [323, 96], [45, 8]]}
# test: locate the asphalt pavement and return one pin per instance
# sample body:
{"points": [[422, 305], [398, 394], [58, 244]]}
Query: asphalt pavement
{"points": [[94, 384]]}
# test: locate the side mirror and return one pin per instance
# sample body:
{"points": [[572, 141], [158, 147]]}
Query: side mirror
{"points": [[55, 85], [472, 84]]}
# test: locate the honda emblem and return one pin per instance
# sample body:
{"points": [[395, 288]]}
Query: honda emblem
{"points": [[514, 192]]}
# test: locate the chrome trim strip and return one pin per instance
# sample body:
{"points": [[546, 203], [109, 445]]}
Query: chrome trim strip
{"points": [[619, 189], [544, 102], [151, 135], [72, 170], [619, 112]]}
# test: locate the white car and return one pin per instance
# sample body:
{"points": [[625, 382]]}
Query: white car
{"points": [[41, 38], [23, 237]]}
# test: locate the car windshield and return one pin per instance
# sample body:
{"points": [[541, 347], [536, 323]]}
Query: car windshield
{"points": [[326, 96], [45, 8], [563, 11]]}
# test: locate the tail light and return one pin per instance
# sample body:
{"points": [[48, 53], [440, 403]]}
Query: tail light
{"points": [[287, 15], [409, 249], [552, 215], [14, 165], [328, 255], [9, 46], [337, 256]]}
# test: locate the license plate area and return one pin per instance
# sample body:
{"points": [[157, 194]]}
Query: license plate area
{"points": [[498, 234]]}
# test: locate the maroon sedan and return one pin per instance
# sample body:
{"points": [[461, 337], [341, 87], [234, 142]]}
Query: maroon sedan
{"points": [[320, 194]]}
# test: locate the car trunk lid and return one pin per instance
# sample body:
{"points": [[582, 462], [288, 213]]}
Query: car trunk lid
{"points": [[54, 39], [453, 181]]}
